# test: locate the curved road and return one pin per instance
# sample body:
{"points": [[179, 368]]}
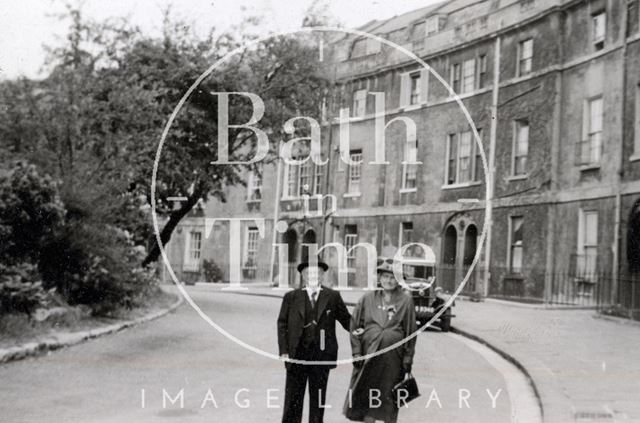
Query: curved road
{"points": [[121, 378]]}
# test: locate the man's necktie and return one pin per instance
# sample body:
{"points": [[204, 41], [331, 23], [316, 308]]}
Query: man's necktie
{"points": [[313, 299]]}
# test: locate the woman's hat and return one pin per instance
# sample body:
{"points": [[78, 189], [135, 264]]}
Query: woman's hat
{"points": [[321, 264], [385, 267]]}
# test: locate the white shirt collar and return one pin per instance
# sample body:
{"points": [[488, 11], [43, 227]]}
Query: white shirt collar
{"points": [[312, 290]]}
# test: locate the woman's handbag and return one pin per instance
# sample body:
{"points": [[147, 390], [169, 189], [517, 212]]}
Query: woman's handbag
{"points": [[405, 391]]}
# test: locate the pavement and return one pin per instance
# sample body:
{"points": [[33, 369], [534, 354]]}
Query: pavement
{"points": [[62, 339], [178, 368], [583, 367]]}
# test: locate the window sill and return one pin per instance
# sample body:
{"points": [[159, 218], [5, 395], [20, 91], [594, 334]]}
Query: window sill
{"points": [[296, 198], [634, 158], [517, 177], [468, 94], [191, 268], [408, 190], [588, 167], [410, 107], [463, 185], [584, 279], [351, 194], [460, 96]]}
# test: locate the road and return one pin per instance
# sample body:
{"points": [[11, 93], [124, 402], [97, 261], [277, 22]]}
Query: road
{"points": [[121, 378]]}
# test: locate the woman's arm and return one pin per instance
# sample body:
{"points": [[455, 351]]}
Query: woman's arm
{"points": [[357, 322], [410, 327]]}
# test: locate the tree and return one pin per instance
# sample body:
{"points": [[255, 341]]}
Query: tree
{"points": [[282, 70], [95, 121], [78, 124]]}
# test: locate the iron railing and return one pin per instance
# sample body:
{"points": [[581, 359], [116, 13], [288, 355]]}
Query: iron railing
{"points": [[583, 284]]}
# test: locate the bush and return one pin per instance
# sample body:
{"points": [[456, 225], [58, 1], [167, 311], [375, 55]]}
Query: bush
{"points": [[30, 213], [20, 289], [79, 251], [98, 267], [212, 271]]}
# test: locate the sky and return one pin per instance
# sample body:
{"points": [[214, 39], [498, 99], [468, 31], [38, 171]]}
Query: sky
{"points": [[27, 25]]}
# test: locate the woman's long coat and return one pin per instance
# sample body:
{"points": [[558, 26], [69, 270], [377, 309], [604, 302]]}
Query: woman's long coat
{"points": [[384, 371]]}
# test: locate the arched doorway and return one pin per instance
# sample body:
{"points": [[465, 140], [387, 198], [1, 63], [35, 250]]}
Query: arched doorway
{"points": [[291, 239], [308, 238], [470, 248], [629, 290], [449, 254], [633, 239]]}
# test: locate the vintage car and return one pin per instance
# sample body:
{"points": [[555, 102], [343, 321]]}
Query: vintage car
{"points": [[420, 276]]}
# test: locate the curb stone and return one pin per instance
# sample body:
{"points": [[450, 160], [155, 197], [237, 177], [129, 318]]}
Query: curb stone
{"points": [[619, 320], [67, 339], [531, 306], [511, 359]]}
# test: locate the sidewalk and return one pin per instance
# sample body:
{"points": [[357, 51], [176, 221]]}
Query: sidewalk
{"points": [[53, 341], [585, 368]]}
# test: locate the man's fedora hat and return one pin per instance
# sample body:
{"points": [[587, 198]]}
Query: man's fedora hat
{"points": [[321, 264]]}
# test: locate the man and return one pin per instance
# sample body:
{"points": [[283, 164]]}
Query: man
{"points": [[307, 331]]}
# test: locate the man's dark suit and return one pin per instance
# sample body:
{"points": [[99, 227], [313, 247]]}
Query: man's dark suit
{"points": [[315, 342]]}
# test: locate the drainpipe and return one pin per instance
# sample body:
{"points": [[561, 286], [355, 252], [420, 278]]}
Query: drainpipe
{"points": [[618, 207], [492, 163], [558, 106], [276, 210], [328, 177], [327, 187], [549, 274]]}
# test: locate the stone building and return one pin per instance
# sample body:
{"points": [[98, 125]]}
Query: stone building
{"points": [[552, 88]]}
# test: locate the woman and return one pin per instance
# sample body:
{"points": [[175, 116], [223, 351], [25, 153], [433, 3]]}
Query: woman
{"points": [[381, 318]]}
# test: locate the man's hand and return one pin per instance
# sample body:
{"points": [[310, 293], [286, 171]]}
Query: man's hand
{"points": [[358, 332], [284, 358], [357, 363]]}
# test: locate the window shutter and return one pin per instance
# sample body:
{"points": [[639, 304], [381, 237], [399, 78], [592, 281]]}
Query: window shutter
{"points": [[584, 137], [187, 245], [424, 85], [405, 87], [245, 247], [581, 225], [452, 76], [249, 184], [285, 180], [636, 143], [591, 229]]}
